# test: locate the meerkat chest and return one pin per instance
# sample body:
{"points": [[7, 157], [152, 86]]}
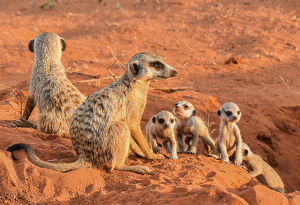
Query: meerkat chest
{"points": [[230, 136], [163, 134], [185, 130], [230, 139]]}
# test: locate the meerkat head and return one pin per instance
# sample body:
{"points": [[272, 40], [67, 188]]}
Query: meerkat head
{"points": [[246, 151], [164, 120], [184, 109], [230, 112], [47, 44], [148, 66]]}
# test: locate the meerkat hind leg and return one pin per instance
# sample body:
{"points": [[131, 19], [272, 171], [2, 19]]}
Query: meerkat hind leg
{"points": [[121, 149], [23, 123], [189, 142], [136, 149]]}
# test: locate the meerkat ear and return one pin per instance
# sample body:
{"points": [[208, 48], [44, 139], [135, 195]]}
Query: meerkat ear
{"points": [[135, 68], [31, 45], [154, 119], [194, 112], [63, 44], [219, 112], [246, 152]]}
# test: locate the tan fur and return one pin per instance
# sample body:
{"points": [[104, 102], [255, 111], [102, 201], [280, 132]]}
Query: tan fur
{"points": [[229, 140], [260, 169], [162, 126], [54, 95], [102, 127], [192, 127]]}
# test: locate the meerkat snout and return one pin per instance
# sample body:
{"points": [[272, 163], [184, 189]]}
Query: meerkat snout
{"points": [[174, 73]]}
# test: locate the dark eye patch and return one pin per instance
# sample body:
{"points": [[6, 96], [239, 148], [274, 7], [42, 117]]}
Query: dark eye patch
{"points": [[238, 112], [228, 113], [157, 65], [172, 120], [161, 121], [186, 106]]}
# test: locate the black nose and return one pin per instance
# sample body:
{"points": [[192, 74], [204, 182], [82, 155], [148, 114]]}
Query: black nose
{"points": [[174, 73]]}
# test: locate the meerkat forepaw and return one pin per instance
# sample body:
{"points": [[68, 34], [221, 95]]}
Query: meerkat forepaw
{"points": [[227, 161], [160, 156], [156, 150], [175, 157], [238, 163], [191, 152], [22, 123]]}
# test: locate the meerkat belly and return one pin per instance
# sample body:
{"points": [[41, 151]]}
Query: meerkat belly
{"points": [[231, 144]]}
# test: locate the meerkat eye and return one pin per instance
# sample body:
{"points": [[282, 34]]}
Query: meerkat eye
{"points": [[238, 112], [228, 113], [157, 65], [172, 120], [161, 121], [186, 106]]}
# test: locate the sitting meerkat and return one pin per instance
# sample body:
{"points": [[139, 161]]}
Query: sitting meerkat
{"points": [[108, 121], [55, 96], [260, 169], [229, 140], [162, 126], [192, 127]]}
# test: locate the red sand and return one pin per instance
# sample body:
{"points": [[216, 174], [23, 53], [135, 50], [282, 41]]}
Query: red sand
{"points": [[195, 37]]}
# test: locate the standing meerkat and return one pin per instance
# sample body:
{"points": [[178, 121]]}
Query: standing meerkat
{"points": [[162, 126], [229, 140], [102, 127], [55, 96], [260, 169], [191, 126]]}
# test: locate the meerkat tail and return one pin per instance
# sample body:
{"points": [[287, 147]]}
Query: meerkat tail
{"points": [[278, 189], [62, 167], [208, 141]]}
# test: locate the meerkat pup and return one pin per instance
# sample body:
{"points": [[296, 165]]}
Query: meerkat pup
{"points": [[162, 126], [229, 140], [102, 127], [260, 169], [54, 95], [192, 127]]}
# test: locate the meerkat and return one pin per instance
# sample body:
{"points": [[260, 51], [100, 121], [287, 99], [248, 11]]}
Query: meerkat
{"points": [[162, 126], [229, 141], [191, 126], [102, 127], [54, 95], [260, 169]]}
